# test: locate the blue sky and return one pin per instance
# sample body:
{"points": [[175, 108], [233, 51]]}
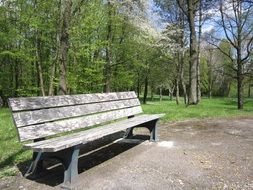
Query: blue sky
{"points": [[153, 16], [159, 24]]}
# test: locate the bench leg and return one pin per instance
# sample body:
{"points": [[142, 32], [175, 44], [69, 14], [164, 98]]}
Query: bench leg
{"points": [[129, 133], [36, 166], [153, 131], [151, 126], [70, 163]]}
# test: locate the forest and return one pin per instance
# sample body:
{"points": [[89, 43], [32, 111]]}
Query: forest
{"points": [[177, 48]]}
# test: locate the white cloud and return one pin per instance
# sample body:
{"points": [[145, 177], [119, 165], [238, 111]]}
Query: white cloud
{"points": [[207, 28]]}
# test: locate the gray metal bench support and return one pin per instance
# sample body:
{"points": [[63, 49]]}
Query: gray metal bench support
{"points": [[69, 160], [36, 166], [153, 131], [70, 164], [151, 126]]}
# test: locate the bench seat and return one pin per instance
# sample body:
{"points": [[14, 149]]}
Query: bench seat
{"points": [[64, 142]]}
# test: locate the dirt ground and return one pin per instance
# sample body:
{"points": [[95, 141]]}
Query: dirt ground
{"points": [[200, 154]]}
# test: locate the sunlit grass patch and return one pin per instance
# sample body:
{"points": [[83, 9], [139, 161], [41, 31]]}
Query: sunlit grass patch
{"points": [[216, 107]]}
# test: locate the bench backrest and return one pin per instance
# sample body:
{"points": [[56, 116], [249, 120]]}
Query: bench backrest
{"points": [[38, 117]]}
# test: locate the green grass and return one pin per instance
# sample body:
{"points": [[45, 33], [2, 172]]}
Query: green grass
{"points": [[12, 155], [216, 107], [11, 151]]}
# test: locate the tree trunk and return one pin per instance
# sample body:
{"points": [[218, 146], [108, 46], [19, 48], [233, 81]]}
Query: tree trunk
{"points": [[181, 59], [178, 78], [193, 75], [184, 89], [64, 46], [239, 85], [16, 77], [210, 84], [249, 90], [161, 93], [209, 88], [171, 91], [54, 66], [51, 83], [41, 81], [240, 76], [39, 63], [198, 60], [1, 102], [145, 90], [107, 67], [39, 60], [228, 89], [210, 74], [138, 85], [152, 93], [177, 91]]}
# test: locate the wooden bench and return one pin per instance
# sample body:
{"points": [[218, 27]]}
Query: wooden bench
{"points": [[36, 118]]}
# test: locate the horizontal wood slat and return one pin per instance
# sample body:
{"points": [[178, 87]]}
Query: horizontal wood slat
{"points": [[31, 103], [52, 114], [52, 128], [59, 143]]}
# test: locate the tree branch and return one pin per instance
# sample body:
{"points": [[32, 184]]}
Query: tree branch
{"points": [[248, 49], [224, 27], [221, 50], [181, 7]]}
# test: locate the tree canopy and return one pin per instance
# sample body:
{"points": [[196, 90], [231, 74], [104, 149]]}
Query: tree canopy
{"points": [[78, 46]]}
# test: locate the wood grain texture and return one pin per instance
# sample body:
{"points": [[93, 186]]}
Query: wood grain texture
{"points": [[52, 128], [45, 115], [32, 103], [59, 143]]}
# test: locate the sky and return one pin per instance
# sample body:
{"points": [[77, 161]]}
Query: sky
{"points": [[157, 22], [154, 17]]}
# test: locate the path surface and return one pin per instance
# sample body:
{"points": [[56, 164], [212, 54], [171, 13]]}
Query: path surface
{"points": [[204, 154]]}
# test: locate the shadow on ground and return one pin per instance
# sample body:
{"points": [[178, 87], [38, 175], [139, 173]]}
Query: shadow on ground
{"points": [[91, 155], [10, 159]]}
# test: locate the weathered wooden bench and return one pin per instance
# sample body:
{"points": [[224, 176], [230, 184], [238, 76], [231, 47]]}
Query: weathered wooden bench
{"points": [[36, 118]]}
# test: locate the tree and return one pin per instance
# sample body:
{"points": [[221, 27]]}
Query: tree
{"points": [[1, 102], [237, 25], [175, 43], [64, 45], [190, 12], [108, 51]]}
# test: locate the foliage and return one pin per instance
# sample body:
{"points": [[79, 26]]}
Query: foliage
{"points": [[31, 32], [114, 40]]}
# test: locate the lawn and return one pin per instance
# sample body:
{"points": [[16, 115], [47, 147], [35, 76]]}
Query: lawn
{"points": [[216, 107], [12, 153]]}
